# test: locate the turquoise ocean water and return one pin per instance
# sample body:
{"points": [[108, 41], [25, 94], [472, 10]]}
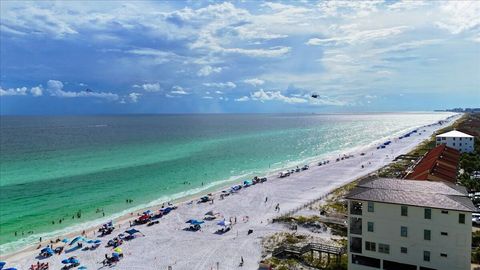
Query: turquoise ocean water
{"points": [[52, 168]]}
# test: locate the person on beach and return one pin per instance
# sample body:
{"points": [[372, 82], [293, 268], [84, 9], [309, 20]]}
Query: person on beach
{"points": [[266, 199]]}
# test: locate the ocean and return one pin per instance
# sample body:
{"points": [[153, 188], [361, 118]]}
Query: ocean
{"points": [[58, 173]]}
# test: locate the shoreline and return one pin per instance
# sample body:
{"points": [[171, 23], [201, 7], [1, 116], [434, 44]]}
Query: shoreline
{"points": [[122, 221]]}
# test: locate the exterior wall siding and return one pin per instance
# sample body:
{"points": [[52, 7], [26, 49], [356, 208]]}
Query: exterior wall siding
{"points": [[467, 145], [388, 221]]}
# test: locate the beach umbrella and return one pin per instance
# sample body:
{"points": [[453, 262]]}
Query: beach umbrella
{"points": [[132, 231], [74, 260], [65, 240], [2, 264], [209, 213], [115, 255], [118, 250], [98, 241], [148, 212], [197, 222], [66, 261], [76, 239], [190, 221], [82, 267]]}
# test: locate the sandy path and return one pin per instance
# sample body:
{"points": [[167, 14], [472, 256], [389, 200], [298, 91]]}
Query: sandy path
{"points": [[166, 244]]}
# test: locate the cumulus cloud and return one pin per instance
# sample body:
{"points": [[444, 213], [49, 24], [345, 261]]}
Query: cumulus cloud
{"points": [[459, 16], [178, 90], [56, 89], [36, 91], [21, 91], [151, 87], [207, 70], [133, 97], [221, 85], [254, 81], [241, 99], [262, 95]]}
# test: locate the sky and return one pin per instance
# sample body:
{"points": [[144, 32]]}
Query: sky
{"points": [[113, 57]]}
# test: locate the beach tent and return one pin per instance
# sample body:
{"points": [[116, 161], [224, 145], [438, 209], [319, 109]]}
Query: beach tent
{"points": [[76, 239], [210, 213], [47, 250], [195, 222], [132, 231]]}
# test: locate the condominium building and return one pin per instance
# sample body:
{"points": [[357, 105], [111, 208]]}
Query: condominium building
{"points": [[397, 224], [462, 142]]}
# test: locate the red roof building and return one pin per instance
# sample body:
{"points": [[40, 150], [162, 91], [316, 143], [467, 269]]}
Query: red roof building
{"points": [[439, 164]]}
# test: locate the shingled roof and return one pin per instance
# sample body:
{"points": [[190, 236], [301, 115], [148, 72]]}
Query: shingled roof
{"points": [[440, 163], [439, 195]]}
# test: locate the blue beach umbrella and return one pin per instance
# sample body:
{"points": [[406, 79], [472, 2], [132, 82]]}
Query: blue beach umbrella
{"points": [[197, 222], [2, 264], [98, 241], [65, 240], [74, 260], [132, 231], [66, 261], [82, 267]]}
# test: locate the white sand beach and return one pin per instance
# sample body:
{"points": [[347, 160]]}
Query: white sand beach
{"points": [[167, 244]]}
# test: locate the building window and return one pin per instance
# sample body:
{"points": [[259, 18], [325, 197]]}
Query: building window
{"points": [[439, 139], [403, 250], [427, 235], [356, 225], [370, 246], [460, 144], [454, 138], [403, 231], [427, 213], [404, 210], [426, 256], [453, 144], [370, 226], [461, 218], [370, 207], [367, 261], [356, 244], [355, 208], [444, 233], [443, 255], [383, 248], [444, 212], [460, 139]]}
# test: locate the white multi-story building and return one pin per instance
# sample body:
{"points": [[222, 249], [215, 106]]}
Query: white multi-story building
{"points": [[397, 224], [458, 140]]}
